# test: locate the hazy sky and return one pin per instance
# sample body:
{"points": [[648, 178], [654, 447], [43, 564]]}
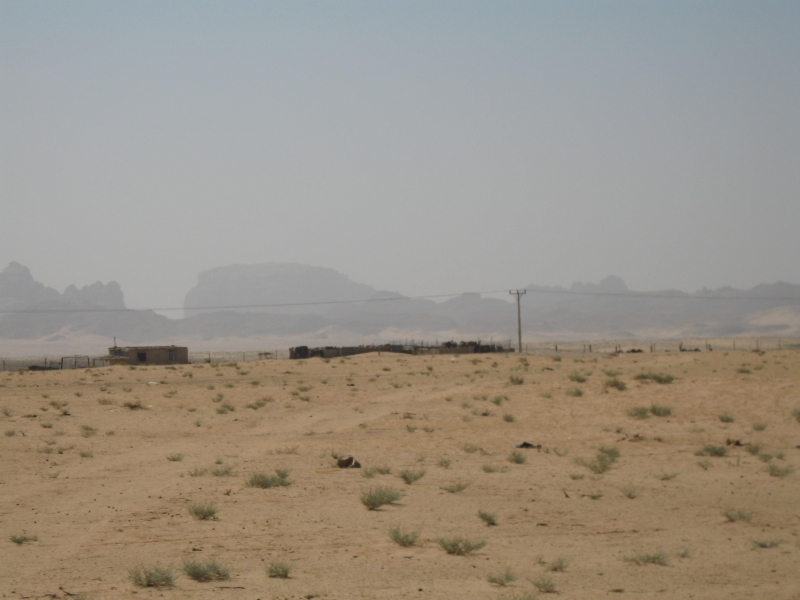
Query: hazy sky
{"points": [[423, 147]]}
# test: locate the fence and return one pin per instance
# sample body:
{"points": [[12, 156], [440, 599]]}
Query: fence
{"points": [[534, 349]]}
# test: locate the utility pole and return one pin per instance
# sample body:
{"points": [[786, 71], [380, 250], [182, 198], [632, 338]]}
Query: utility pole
{"points": [[518, 293]]}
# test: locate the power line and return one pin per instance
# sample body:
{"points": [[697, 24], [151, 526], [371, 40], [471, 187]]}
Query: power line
{"points": [[638, 295]]}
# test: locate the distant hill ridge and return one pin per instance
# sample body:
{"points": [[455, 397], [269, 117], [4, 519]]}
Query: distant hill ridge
{"points": [[605, 309]]}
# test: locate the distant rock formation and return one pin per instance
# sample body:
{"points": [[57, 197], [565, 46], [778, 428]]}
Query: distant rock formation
{"points": [[607, 309], [273, 284]]}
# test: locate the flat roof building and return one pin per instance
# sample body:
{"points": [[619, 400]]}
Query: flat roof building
{"points": [[148, 355]]}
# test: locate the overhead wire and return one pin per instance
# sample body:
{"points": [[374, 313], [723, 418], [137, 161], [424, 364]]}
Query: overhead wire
{"points": [[637, 295]]}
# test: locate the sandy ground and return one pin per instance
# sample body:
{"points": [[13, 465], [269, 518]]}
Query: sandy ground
{"points": [[95, 488]]}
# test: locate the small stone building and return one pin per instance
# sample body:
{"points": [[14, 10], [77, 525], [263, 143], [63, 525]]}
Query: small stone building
{"points": [[149, 355]]}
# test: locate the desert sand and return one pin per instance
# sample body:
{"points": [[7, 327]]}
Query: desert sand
{"points": [[88, 479]]}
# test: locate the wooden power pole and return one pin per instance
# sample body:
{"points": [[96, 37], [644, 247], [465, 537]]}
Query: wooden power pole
{"points": [[518, 293]]}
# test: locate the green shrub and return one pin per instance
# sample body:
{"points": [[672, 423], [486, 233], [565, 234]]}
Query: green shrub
{"points": [[279, 570], [615, 383], [412, 475], [640, 412], [777, 471], [508, 418], [517, 457], [265, 480], [515, 380], [152, 576], [602, 462], [502, 579], [404, 538], [660, 411], [577, 377], [203, 510], [545, 585], [376, 497], [489, 518], [661, 378], [23, 539], [575, 392], [726, 418], [712, 450], [459, 546], [210, 570], [175, 457], [454, 488], [738, 515], [656, 558]]}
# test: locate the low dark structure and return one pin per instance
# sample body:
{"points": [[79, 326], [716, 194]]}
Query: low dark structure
{"points": [[148, 355], [446, 348]]}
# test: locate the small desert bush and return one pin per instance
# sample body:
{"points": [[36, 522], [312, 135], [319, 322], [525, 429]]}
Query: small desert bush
{"points": [[502, 579], [411, 475], [603, 460], [777, 471], [796, 414], [615, 383], [766, 543], [660, 411], [175, 457], [545, 585], [577, 377], [517, 457], [445, 463], [491, 468], [640, 412], [661, 378], [460, 546], [136, 405], [23, 539], [655, 558], [726, 418], [86, 454], [11, 432], [738, 515], [266, 481], [489, 518], [88, 431], [279, 570], [152, 576], [759, 426], [105, 401], [203, 510], [630, 492], [198, 472], [404, 538], [376, 497], [515, 380], [454, 488], [712, 450], [575, 392], [508, 418], [753, 449], [210, 570], [222, 471], [665, 476], [559, 565], [576, 476]]}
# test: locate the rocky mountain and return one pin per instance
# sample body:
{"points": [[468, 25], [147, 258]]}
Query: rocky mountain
{"points": [[272, 283], [607, 309]]}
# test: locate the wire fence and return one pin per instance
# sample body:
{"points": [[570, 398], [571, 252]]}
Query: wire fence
{"points": [[533, 349]]}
